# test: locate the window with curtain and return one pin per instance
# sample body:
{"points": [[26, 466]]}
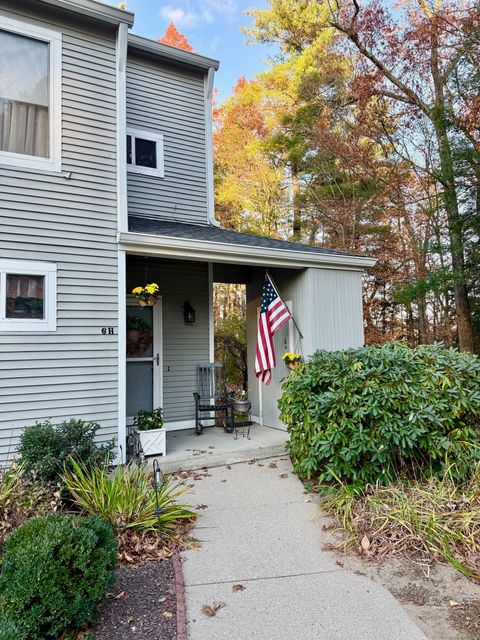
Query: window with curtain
{"points": [[24, 95], [25, 296], [28, 295]]}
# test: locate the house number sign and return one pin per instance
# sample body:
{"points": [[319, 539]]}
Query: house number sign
{"points": [[108, 331]]}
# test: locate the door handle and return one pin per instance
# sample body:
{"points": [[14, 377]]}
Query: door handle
{"points": [[157, 358]]}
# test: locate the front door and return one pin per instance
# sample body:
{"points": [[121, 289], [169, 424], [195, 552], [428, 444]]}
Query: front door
{"points": [[144, 357], [269, 394]]}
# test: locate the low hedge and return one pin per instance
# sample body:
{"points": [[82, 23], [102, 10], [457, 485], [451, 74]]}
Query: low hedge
{"points": [[54, 572], [366, 415]]}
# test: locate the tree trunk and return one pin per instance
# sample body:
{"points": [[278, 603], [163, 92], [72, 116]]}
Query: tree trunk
{"points": [[438, 117], [297, 212]]}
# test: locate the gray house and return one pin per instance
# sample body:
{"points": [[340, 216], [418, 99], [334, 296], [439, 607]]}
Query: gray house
{"points": [[106, 183]]}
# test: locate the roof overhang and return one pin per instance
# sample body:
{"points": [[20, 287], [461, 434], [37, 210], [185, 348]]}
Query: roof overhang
{"points": [[95, 10], [205, 251], [174, 54]]}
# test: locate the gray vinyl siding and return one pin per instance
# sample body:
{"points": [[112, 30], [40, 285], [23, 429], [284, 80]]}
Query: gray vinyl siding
{"points": [[183, 345], [169, 100], [70, 221], [327, 305]]}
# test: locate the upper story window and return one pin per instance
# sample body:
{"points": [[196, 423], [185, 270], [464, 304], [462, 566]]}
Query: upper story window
{"points": [[28, 295], [145, 152], [30, 96]]}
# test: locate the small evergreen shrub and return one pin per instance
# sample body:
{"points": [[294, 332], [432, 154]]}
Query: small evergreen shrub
{"points": [[45, 448], [366, 415], [54, 572]]}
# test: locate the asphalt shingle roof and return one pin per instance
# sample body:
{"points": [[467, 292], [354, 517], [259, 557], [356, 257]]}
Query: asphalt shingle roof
{"points": [[210, 233]]}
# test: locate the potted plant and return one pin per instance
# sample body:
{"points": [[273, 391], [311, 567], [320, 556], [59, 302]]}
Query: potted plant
{"points": [[292, 360], [146, 296], [241, 402], [149, 425]]}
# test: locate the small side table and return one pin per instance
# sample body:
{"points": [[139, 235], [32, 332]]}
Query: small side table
{"points": [[245, 423]]}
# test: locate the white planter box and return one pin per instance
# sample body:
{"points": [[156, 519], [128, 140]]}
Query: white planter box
{"points": [[154, 442]]}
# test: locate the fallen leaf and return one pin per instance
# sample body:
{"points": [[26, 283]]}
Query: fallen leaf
{"points": [[167, 614], [283, 475], [201, 506], [211, 609], [455, 605], [130, 619], [365, 543], [238, 587], [339, 562], [273, 465], [121, 595]]}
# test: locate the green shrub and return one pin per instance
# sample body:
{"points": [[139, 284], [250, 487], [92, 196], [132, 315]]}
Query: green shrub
{"points": [[126, 497], [366, 415], [8, 630], [45, 448], [54, 571]]}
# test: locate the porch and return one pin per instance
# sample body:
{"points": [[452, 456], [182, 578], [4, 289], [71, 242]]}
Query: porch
{"points": [[163, 346], [186, 451]]}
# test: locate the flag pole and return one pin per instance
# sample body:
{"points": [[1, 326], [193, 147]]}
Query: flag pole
{"points": [[286, 305]]}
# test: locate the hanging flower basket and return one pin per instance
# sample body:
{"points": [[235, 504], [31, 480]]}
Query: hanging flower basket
{"points": [[146, 296], [292, 360]]}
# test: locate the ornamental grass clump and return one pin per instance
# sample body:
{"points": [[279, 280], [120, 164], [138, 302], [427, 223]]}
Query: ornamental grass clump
{"points": [[424, 519], [22, 498], [54, 572], [126, 498], [372, 414]]}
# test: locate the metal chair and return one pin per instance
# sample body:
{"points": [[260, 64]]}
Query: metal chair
{"points": [[212, 401]]}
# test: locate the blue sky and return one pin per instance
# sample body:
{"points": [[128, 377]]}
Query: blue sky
{"points": [[213, 29]]}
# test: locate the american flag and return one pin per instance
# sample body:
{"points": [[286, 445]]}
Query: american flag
{"points": [[273, 315]]}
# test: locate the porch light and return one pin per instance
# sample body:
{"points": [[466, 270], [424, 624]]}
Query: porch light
{"points": [[188, 313]]}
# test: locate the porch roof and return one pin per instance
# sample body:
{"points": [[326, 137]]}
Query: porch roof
{"points": [[208, 242]]}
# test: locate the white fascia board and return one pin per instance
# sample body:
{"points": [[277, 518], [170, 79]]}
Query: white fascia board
{"points": [[187, 248], [94, 9]]}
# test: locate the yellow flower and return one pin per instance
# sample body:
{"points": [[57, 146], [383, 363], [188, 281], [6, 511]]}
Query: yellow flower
{"points": [[151, 288], [137, 291]]}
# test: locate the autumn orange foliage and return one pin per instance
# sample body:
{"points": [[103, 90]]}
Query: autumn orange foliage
{"points": [[174, 38]]}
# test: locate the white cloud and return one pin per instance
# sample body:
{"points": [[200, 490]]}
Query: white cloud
{"points": [[194, 13], [181, 17]]}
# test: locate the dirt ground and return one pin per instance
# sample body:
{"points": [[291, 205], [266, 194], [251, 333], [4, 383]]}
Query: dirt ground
{"points": [[141, 605]]}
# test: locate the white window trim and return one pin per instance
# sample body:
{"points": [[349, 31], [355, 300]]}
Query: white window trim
{"points": [[54, 38], [159, 172], [30, 268]]}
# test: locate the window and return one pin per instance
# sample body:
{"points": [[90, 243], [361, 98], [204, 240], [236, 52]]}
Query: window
{"points": [[145, 152], [28, 295], [30, 89]]}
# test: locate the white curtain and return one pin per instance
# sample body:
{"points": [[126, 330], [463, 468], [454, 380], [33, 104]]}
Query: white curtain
{"points": [[24, 286], [24, 86], [23, 128]]}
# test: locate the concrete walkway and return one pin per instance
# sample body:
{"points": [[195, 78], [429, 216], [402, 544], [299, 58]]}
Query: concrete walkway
{"points": [[259, 531]]}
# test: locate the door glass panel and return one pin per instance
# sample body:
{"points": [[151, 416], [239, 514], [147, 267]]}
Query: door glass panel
{"points": [[139, 332], [139, 387]]}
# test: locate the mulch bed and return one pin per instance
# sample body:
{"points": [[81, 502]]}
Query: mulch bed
{"points": [[142, 604]]}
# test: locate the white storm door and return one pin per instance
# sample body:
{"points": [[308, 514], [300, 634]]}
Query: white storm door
{"points": [[144, 358]]}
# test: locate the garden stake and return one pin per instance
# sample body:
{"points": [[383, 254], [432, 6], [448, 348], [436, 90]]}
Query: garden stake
{"points": [[157, 480]]}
